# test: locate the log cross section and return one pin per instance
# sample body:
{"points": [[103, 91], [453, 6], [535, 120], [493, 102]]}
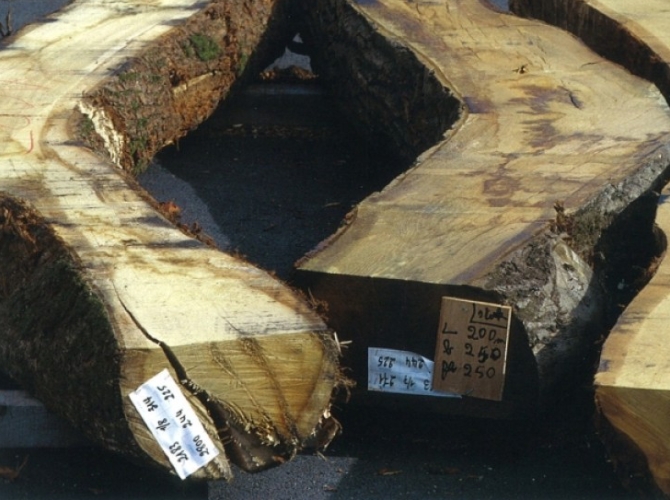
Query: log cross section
{"points": [[633, 378], [550, 146], [99, 292]]}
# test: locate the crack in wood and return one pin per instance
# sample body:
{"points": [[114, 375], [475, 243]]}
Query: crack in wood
{"points": [[220, 421]]}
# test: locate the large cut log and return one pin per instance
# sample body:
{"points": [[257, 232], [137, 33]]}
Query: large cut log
{"points": [[98, 291], [633, 378], [633, 381], [541, 150]]}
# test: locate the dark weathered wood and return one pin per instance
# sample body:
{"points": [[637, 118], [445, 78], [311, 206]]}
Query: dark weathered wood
{"points": [[98, 291], [540, 149], [633, 378]]}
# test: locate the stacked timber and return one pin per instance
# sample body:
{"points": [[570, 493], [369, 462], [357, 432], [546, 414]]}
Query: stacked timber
{"points": [[534, 154], [633, 377], [146, 340]]}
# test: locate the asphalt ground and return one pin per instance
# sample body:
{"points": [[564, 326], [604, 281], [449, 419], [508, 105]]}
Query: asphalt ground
{"points": [[380, 455]]}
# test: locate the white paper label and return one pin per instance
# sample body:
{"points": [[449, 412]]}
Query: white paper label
{"points": [[170, 418], [403, 372]]}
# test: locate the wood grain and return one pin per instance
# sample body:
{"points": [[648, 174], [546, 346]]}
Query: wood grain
{"points": [[540, 119], [99, 292]]}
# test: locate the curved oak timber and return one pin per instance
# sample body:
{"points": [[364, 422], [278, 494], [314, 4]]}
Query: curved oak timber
{"points": [[633, 378], [98, 291], [539, 148]]}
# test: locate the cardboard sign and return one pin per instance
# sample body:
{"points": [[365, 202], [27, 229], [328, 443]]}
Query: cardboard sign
{"points": [[471, 351]]}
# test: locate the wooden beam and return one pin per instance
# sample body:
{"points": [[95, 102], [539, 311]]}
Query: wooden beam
{"points": [[533, 150], [99, 292], [633, 378]]}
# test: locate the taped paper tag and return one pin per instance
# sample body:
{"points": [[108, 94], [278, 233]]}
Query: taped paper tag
{"points": [[173, 423], [401, 372]]}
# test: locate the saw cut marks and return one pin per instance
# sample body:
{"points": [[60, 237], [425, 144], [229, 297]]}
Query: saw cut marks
{"points": [[550, 147], [98, 291]]}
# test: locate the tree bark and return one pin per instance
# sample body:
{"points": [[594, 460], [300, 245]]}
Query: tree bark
{"points": [[633, 378], [534, 154], [99, 292]]}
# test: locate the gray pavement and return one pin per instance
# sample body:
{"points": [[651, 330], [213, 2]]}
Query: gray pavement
{"points": [[380, 455]]}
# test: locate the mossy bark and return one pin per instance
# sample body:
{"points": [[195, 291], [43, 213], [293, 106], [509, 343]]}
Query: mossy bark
{"points": [[56, 338], [156, 98], [100, 292]]}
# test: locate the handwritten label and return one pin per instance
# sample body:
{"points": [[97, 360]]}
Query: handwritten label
{"points": [[471, 351], [173, 423], [402, 372]]}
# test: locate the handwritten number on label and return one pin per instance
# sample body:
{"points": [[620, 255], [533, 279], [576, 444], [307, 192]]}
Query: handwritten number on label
{"points": [[408, 381], [165, 392], [483, 354], [200, 446], [482, 333], [478, 371], [468, 349], [386, 362], [176, 449], [386, 380], [412, 362], [471, 358]]}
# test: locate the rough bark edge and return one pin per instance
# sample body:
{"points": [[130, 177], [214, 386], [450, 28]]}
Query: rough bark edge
{"points": [[156, 98], [162, 94], [388, 94], [58, 341], [602, 260], [613, 41], [52, 318], [581, 251]]}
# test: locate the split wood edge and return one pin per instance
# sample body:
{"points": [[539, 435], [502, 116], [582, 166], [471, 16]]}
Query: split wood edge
{"points": [[570, 225], [632, 380], [94, 311]]}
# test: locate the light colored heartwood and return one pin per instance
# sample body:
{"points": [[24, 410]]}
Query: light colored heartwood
{"points": [[237, 332], [544, 120], [633, 378]]}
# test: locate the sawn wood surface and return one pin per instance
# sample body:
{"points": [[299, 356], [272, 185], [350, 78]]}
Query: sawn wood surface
{"points": [[248, 344], [633, 377], [547, 129]]}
